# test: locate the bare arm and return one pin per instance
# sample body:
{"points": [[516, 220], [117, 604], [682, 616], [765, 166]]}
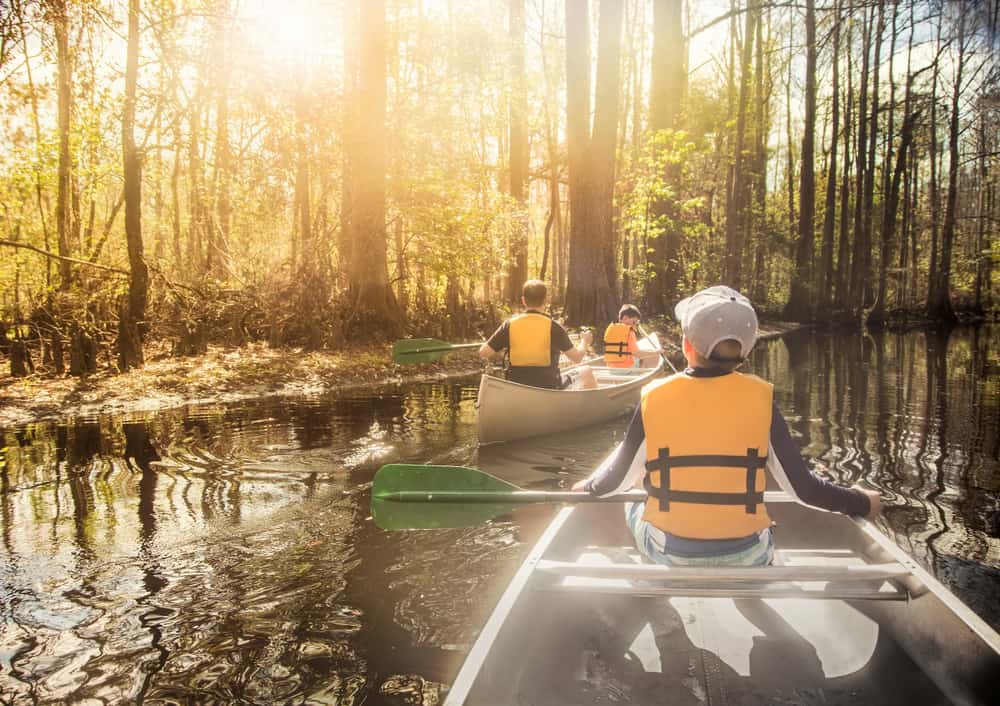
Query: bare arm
{"points": [[576, 354], [485, 352]]}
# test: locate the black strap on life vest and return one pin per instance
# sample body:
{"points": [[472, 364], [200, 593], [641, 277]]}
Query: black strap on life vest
{"points": [[622, 347], [664, 462]]}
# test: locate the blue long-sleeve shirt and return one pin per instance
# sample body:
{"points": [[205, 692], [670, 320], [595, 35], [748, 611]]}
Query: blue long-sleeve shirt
{"points": [[784, 462]]}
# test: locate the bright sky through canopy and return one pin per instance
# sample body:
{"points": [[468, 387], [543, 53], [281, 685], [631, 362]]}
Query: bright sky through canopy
{"points": [[292, 33]]}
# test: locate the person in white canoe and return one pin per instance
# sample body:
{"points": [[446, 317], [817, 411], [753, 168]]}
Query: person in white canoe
{"points": [[706, 434]]}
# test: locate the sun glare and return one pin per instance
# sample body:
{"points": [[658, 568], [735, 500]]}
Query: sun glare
{"points": [[292, 34]]}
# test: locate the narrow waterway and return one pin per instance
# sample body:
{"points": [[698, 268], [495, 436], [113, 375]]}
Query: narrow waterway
{"points": [[227, 555]]}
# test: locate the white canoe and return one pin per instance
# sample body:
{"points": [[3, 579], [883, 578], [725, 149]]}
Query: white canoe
{"points": [[844, 616], [508, 410]]}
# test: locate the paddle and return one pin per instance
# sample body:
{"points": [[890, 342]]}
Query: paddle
{"points": [[663, 353], [408, 496], [424, 350], [410, 351]]}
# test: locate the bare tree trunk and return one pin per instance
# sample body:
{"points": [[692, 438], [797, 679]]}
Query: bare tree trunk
{"points": [[517, 271], [914, 230], [908, 213], [800, 301], [303, 206], [64, 81], [589, 291], [869, 210], [552, 223], [196, 197], [736, 210], [40, 198], [790, 166], [762, 128], [934, 187], [605, 138], [982, 217], [369, 293], [349, 126], [843, 248], [218, 242], [939, 302], [859, 254], [132, 325], [892, 182], [825, 288]]}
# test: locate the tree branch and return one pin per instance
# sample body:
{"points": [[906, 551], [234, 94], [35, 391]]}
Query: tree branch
{"points": [[53, 256]]}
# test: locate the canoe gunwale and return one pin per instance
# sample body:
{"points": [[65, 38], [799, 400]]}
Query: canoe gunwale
{"points": [[951, 646], [548, 406]]}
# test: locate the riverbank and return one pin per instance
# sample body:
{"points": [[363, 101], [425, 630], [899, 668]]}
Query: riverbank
{"points": [[224, 375]]}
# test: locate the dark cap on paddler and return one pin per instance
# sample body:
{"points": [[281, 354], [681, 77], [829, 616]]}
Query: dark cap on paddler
{"points": [[717, 314]]}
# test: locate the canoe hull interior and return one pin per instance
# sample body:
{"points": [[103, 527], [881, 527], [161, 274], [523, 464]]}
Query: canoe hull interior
{"points": [[556, 639], [508, 411]]}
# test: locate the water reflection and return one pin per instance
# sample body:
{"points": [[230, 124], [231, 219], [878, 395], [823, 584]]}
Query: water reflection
{"points": [[226, 554], [209, 554], [916, 416]]}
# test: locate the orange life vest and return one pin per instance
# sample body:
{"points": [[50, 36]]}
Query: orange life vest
{"points": [[616, 340], [531, 340], [706, 448]]}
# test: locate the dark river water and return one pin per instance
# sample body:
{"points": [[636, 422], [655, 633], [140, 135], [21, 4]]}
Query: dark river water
{"points": [[226, 554]]}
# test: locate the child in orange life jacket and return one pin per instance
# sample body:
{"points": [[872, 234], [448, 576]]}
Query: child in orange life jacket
{"points": [[700, 441], [534, 341], [621, 348]]}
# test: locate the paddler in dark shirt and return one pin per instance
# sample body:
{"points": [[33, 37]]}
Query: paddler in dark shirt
{"points": [[533, 342]]}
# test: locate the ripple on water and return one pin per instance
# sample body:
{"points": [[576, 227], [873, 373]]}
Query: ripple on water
{"points": [[412, 690]]}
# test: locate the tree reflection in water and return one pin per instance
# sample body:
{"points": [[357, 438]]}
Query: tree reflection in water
{"points": [[226, 552]]}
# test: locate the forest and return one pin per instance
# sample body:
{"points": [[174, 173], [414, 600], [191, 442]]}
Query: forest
{"points": [[183, 173]]}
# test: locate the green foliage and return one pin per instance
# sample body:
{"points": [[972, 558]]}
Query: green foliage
{"points": [[664, 174]]}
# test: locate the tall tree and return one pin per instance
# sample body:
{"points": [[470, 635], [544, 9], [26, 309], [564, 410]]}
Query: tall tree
{"points": [[763, 80], [370, 296], [859, 252], [218, 241], [824, 290], [865, 293], [666, 91], [934, 183], [64, 81], [843, 250], [799, 306], [132, 324], [737, 197], [893, 183], [939, 302], [605, 135], [589, 290], [517, 271]]}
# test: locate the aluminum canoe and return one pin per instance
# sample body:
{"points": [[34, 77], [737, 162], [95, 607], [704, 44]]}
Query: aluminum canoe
{"points": [[508, 410], [844, 617]]}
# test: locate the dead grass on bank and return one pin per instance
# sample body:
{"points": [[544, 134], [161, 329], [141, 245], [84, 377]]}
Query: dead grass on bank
{"points": [[231, 374], [220, 375]]}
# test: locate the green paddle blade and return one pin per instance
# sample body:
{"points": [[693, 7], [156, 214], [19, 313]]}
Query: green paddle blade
{"points": [[431, 480], [437, 497], [424, 350], [426, 497]]}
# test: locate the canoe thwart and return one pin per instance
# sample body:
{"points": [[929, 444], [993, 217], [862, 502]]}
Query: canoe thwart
{"points": [[767, 590], [715, 574]]}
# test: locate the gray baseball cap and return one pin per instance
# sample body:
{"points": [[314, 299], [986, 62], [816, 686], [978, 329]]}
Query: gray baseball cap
{"points": [[716, 314]]}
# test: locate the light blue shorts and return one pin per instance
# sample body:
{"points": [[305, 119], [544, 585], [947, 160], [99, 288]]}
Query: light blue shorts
{"points": [[650, 541]]}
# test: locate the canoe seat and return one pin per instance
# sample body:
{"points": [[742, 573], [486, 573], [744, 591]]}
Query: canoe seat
{"points": [[820, 580], [686, 574]]}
